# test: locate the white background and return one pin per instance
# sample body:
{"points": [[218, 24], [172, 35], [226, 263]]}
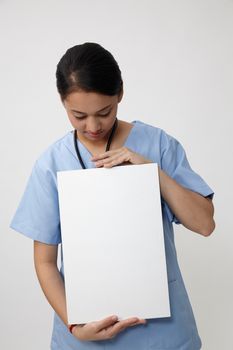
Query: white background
{"points": [[176, 62]]}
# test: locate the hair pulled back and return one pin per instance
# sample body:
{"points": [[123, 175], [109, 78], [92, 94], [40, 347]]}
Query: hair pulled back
{"points": [[88, 67]]}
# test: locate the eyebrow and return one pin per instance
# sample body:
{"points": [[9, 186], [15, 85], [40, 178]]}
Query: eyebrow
{"points": [[73, 110]]}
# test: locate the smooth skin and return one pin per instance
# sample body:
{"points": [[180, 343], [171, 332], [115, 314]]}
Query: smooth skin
{"points": [[92, 113]]}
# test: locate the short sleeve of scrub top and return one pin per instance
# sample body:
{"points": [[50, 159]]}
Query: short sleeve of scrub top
{"points": [[175, 164], [37, 215]]}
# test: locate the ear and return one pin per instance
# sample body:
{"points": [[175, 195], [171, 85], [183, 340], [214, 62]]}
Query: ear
{"points": [[121, 94]]}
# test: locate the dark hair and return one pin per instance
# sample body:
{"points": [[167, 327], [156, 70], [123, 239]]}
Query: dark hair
{"points": [[88, 67]]}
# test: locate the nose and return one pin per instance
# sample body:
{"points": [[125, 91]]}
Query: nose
{"points": [[93, 126]]}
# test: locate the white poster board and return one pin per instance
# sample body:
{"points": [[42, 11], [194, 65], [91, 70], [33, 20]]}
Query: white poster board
{"points": [[113, 243]]}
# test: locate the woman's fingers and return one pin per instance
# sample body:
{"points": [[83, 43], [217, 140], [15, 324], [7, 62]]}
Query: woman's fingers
{"points": [[105, 329], [104, 155], [140, 321], [119, 156], [103, 160], [120, 326], [105, 323], [113, 160]]}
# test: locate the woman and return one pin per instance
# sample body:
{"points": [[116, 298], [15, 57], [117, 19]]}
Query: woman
{"points": [[90, 87]]}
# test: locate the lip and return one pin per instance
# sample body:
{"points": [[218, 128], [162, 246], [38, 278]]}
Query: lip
{"points": [[95, 134]]}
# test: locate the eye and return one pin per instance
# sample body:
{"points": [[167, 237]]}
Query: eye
{"points": [[78, 117], [101, 115], [105, 115]]}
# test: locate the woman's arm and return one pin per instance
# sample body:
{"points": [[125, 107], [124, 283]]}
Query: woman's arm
{"points": [[193, 210], [45, 261]]}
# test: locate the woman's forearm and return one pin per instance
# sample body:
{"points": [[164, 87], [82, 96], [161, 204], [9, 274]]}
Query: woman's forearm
{"points": [[193, 210], [53, 287]]}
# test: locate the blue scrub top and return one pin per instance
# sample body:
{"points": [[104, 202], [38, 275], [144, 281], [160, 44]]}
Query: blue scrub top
{"points": [[37, 217]]}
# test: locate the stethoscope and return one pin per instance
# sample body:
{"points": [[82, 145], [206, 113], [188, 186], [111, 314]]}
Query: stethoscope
{"points": [[107, 147]]}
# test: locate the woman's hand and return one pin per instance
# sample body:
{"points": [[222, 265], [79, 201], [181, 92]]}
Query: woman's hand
{"points": [[107, 328], [118, 156]]}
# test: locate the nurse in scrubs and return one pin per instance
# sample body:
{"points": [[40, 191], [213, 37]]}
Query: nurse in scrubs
{"points": [[90, 87]]}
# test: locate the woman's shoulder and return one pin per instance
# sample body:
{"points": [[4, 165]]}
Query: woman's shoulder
{"points": [[148, 135], [149, 128], [152, 131], [53, 154]]}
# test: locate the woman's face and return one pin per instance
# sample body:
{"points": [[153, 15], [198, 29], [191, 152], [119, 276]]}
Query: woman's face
{"points": [[92, 114]]}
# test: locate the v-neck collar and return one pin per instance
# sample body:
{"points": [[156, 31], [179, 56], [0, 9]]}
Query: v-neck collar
{"points": [[85, 154]]}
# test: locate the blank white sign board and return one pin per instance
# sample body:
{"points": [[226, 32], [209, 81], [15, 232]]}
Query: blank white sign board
{"points": [[113, 243]]}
